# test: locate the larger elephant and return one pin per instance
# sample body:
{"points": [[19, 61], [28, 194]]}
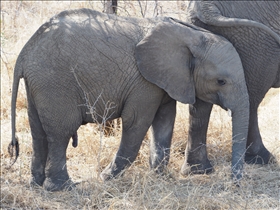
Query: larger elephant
{"points": [[83, 61], [253, 27]]}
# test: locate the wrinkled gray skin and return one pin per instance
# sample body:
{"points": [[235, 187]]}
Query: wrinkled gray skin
{"points": [[258, 44], [84, 61]]}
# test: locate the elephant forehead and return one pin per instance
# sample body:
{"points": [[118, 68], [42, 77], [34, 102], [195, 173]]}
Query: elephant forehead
{"points": [[223, 51], [224, 55], [213, 70], [221, 63]]}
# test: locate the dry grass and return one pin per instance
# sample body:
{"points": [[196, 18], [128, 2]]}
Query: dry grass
{"points": [[138, 188]]}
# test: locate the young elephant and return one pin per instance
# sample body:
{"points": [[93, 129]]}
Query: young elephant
{"points": [[84, 61]]}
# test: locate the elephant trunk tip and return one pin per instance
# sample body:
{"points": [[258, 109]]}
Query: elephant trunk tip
{"points": [[237, 179], [237, 172], [13, 148]]}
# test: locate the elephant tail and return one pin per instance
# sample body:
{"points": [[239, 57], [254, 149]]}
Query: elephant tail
{"points": [[13, 147], [210, 14]]}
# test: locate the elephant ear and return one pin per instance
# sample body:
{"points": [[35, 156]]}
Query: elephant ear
{"points": [[164, 58]]}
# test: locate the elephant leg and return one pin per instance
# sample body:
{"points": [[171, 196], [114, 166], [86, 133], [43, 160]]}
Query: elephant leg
{"points": [[132, 137], [58, 137], [162, 130], [40, 146], [196, 160], [256, 152], [127, 152], [57, 177], [136, 120]]}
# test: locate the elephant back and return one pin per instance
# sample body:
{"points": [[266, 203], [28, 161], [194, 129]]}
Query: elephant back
{"points": [[85, 52]]}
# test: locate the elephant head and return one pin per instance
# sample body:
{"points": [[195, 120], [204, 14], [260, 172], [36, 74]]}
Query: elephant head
{"points": [[189, 62]]}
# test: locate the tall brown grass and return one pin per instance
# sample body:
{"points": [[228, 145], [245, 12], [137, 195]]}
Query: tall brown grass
{"points": [[139, 188]]}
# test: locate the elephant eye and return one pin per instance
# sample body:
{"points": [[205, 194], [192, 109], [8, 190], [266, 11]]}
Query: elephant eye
{"points": [[221, 82]]}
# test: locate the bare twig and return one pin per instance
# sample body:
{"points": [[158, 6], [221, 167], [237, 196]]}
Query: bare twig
{"points": [[106, 115]]}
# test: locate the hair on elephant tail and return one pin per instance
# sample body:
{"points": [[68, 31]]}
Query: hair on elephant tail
{"points": [[13, 149]]}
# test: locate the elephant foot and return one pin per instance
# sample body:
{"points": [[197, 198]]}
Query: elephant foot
{"points": [[157, 166], [197, 168], [159, 169], [263, 156], [58, 185], [110, 172], [37, 181], [105, 176]]}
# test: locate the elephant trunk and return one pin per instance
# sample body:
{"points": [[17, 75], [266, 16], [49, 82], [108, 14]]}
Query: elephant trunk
{"points": [[240, 123], [208, 13]]}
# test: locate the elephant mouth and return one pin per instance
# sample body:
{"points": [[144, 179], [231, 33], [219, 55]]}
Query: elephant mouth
{"points": [[226, 109], [220, 103]]}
